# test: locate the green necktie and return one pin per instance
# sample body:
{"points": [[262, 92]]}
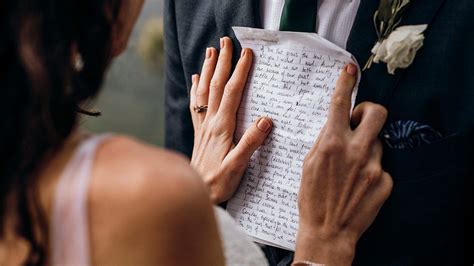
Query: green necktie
{"points": [[299, 15]]}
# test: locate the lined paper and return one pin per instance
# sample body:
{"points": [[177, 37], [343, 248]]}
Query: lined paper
{"points": [[292, 81]]}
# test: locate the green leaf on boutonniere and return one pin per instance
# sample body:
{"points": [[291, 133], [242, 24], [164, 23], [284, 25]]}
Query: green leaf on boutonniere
{"points": [[404, 3], [386, 19], [385, 11]]}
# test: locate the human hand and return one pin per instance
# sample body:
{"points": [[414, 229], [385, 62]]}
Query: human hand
{"points": [[343, 185], [215, 157]]}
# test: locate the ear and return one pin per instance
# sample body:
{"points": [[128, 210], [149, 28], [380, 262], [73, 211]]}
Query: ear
{"points": [[122, 27]]}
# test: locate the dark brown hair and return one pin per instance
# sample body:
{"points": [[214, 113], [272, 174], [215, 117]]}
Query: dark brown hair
{"points": [[41, 92]]}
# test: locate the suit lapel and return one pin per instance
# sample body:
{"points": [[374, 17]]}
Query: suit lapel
{"points": [[230, 13], [377, 84]]}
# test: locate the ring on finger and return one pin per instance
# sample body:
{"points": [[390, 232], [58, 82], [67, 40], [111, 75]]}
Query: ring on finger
{"points": [[200, 108]]}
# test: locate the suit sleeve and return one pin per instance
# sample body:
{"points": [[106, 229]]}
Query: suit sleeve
{"points": [[179, 129]]}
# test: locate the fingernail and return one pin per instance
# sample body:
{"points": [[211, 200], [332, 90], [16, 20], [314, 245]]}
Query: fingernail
{"points": [[264, 125], [351, 69], [244, 51], [194, 78], [208, 53], [222, 43]]}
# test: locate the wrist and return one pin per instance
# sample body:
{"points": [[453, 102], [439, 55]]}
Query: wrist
{"points": [[327, 251]]}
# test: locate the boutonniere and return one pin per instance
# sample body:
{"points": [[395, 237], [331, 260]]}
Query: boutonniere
{"points": [[396, 46]]}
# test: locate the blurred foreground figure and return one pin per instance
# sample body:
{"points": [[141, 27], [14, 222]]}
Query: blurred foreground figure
{"points": [[71, 198], [428, 136]]}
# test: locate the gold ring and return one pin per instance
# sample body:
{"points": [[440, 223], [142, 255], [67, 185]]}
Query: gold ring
{"points": [[200, 109]]}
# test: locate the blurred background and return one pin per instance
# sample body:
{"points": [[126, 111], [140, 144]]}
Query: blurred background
{"points": [[132, 101]]}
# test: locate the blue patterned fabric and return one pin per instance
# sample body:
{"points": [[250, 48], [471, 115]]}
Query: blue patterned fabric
{"points": [[409, 134]]}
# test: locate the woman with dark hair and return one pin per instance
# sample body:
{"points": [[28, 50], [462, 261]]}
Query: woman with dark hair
{"points": [[68, 197]]}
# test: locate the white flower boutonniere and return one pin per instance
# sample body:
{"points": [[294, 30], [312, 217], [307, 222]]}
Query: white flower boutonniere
{"points": [[400, 48], [396, 46]]}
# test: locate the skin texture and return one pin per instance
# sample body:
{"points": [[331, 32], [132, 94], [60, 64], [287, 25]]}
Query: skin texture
{"points": [[343, 176], [144, 206], [151, 214], [220, 162], [343, 185]]}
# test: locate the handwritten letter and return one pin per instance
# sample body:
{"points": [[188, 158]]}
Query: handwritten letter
{"points": [[292, 81]]}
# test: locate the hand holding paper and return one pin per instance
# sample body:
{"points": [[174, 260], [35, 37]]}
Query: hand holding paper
{"points": [[310, 94], [292, 81], [343, 185]]}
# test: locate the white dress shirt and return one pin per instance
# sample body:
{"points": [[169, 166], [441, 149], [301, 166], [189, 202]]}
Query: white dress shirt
{"points": [[334, 21]]}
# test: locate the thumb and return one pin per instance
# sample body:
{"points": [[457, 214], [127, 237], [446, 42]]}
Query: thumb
{"points": [[253, 138]]}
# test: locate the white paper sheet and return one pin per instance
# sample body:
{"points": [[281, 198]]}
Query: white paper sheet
{"points": [[292, 81]]}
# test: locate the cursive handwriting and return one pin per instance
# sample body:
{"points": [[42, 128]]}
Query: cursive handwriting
{"points": [[294, 87]]}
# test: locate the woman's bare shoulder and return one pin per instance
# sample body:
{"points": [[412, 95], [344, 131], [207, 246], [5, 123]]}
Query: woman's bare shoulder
{"points": [[127, 169], [131, 155], [142, 198]]}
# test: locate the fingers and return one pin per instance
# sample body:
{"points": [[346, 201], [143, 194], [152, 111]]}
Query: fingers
{"points": [[369, 119], [234, 88], [386, 187], [192, 101], [316, 145], [376, 196], [341, 103], [377, 151], [202, 93], [252, 139], [362, 188], [221, 74]]}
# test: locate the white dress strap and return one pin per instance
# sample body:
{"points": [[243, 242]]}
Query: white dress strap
{"points": [[69, 232]]}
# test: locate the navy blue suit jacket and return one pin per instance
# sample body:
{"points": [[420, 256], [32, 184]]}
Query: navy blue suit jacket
{"points": [[427, 219]]}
